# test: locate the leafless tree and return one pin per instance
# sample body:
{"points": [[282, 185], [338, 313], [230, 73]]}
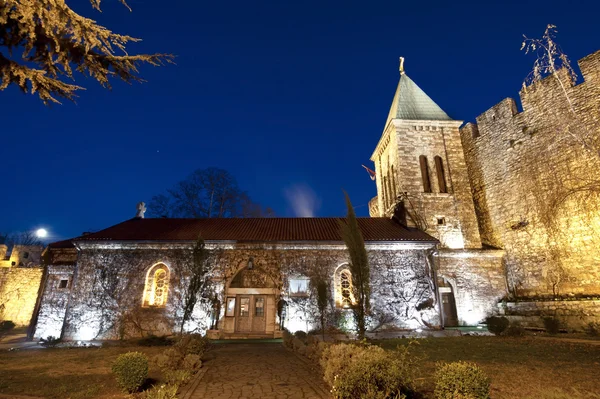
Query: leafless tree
{"points": [[24, 238], [206, 193], [44, 40]]}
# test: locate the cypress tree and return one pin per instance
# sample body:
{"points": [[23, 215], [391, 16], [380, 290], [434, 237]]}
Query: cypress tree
{"points": [[359, 267]]}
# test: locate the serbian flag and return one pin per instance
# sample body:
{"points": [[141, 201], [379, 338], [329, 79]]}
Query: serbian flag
{"points": [[370, 172]]}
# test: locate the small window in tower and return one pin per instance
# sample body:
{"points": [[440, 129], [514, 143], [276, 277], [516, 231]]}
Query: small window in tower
{"points": [[25, 255], [439, 170], [63, 284], [425, 174], [441, 221]]}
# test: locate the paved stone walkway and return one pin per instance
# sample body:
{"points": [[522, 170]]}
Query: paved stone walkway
{"points": [[258, 370]]}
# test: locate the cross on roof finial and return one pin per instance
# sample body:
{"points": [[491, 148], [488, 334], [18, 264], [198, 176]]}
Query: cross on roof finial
{"points": [[401, 65]]}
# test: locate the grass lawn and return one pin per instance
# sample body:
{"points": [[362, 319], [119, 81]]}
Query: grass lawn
{"points": [[65, 373], [527, 368]]}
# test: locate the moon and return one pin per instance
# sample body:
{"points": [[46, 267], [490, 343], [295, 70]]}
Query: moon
{"points": [[41, 233]]}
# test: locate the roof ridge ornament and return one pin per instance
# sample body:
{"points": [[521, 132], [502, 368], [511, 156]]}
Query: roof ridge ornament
{"points": [[401, 65], [141, 209]]}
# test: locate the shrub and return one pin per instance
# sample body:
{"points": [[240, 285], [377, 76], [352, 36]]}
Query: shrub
{"points": [[177, 377], [185, 354], [300, 335], [461, 380], [191, 362], [552, 325], [368, 372], [592, 329], [192, 344], [153, 340], [497, 325], [287, 338], [515, 330], [168, 391], [6, 327], [131, 370], [50, 341]]}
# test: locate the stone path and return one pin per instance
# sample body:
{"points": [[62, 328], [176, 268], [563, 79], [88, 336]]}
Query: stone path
{"points": [[258, 370]]}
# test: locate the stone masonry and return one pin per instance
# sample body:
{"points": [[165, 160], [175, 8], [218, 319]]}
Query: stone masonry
{"points": [[101, 296], [20, 277], [528, 172]]}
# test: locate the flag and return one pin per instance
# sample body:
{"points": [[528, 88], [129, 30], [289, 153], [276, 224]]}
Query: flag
{"points": [[370, 172]]}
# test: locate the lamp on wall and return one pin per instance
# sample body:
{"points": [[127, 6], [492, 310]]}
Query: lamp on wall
{"points": [[251, 263]]}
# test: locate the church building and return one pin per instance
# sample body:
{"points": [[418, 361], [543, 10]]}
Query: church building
{"points": [[429, 266]]}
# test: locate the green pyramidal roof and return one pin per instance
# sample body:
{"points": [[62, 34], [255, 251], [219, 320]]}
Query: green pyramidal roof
{"points": [[411, 103]]}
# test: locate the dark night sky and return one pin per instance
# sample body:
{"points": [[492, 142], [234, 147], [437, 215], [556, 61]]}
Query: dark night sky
{"points": [[288, 96]]}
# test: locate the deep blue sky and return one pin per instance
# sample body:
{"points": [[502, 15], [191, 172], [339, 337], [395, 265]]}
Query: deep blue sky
{"points": [[282, 94]]}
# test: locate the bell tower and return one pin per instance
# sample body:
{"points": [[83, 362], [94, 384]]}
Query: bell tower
{"points": [[420, 164]]}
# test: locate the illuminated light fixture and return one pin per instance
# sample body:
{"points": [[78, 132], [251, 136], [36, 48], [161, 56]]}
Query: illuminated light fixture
{"points": [[41, 233], [419, 330], [251, 263]]}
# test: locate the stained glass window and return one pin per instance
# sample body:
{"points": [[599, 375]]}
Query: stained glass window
{"points": [[346, 287], [157, 286]]}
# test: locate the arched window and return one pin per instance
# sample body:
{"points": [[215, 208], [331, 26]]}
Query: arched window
{"points": [[385, 192], [157, 286], [346, 288], [425, 174], [344, 298], [390, 191], [394, 190], [439, 170]]}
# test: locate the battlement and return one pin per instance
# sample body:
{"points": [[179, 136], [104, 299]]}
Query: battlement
{"points": [[547, 95], [21, 256], [519, 161]]}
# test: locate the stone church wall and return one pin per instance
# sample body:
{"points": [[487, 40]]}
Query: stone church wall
{"points": [[18, 293], [520, 165], [104, 296], [54, 301], [477, 279]]}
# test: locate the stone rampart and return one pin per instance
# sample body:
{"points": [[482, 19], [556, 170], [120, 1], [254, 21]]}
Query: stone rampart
{"points": [[528, 173], [18, 293], [573, 314], [477, 279]]}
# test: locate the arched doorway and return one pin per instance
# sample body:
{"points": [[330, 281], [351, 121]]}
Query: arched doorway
{"points": [[251, 310], [448, 303]]}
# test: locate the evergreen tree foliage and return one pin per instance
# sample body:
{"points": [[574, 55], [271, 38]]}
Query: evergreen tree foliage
{"points": [[359, 267], [322, 291], [44, 41]]}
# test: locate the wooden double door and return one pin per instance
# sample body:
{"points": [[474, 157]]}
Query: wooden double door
{"points": [[449, 309], [250, 313]]}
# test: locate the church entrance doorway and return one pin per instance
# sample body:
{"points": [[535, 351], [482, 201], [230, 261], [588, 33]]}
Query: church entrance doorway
{"points": [[251, 307], [251, 314], [448, 303]]}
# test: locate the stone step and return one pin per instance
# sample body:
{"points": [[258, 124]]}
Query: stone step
{"points": [[247, 336]]}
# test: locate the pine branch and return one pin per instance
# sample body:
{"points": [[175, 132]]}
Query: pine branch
{"points": [[34, 81], [56, 39]]}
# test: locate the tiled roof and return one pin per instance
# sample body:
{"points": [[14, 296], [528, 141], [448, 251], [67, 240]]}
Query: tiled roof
{"points": [[412, 103], [62, 244], [253, 230]]}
